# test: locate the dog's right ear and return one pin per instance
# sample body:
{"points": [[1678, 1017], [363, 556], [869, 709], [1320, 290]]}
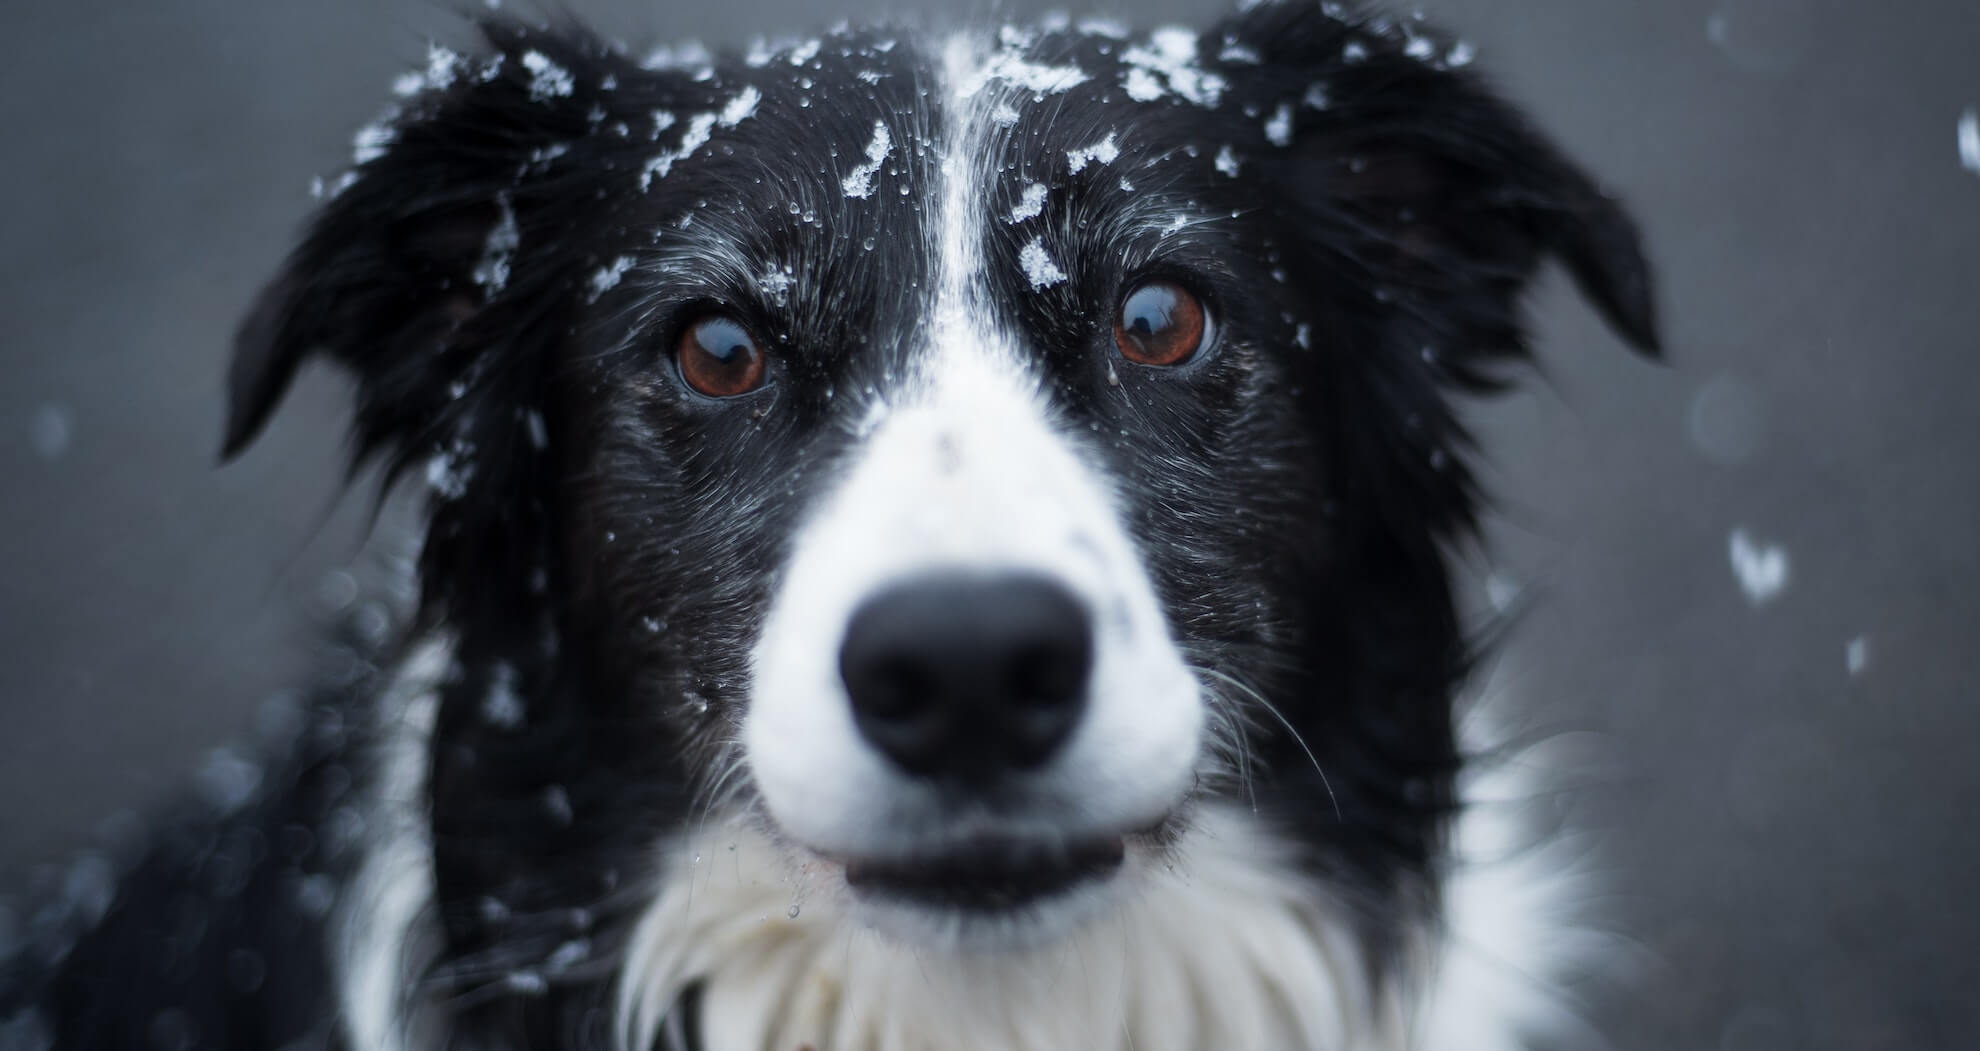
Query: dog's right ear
{"points": [[403, 269]]}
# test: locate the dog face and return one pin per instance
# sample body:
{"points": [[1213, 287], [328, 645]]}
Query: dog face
{"points": [[967, 460]]}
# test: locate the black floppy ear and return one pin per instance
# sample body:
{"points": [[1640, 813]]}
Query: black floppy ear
{"points": [[403, 274], [1450, 193]]}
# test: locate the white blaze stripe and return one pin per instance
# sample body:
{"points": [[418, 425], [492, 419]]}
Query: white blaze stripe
{"points": [[965, 471]]}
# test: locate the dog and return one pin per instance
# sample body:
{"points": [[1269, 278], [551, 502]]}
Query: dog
{"points": [[931, 543]]}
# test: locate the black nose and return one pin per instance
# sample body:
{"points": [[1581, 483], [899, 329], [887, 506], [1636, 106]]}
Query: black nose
{"points": [[968, 676]]}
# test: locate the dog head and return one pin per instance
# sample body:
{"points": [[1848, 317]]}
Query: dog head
{"points": [[968, 460]]}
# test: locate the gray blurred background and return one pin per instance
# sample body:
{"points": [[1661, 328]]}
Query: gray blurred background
{"points": [[1780, 762]]}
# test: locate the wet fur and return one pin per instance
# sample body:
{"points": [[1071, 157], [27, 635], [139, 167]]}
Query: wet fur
{"points": [[602, 544]]}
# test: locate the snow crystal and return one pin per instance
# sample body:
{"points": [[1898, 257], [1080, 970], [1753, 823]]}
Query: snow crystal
{"points": [[870, 76], [547, 79], [568, 955], [1104, 152], [1420, 48], [502, 706], [1012, 36], [1238, 54], [492, 271], [859, 182], [1501, 591], [558, 802], [1170, 58], [226, 781], [1303, 335], [607, 277], [539, 435], [1461, 55], [1003, 115], [1227, 162], [442, 66], [689, 54], [1039, 268], [370, 142], [1106, 27], [1355, 51], [1856, 655], [740, 108], [448, 472], [527, 983], [1032, 76], [1768, 37], [1762, 571], [1725, 421], [315, 894], [1315, 97], [805, 52], [1030, 204], [662, 120], [49, 431], [335, 592], [1969, 140], [696, 136], [1142, 86], [542, 154], [1126, 186], [1279, 129], [775, 283], [90, 886]]}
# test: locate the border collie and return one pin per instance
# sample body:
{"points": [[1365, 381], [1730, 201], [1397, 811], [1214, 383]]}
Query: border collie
{"points": [[933, 543]]}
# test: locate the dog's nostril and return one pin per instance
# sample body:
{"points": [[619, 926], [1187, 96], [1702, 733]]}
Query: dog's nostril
{"points": [[896, 689], [1043, 675], [968, 676]]}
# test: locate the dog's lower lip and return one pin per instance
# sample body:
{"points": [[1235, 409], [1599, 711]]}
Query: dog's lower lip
{"points": [[988, 875]]}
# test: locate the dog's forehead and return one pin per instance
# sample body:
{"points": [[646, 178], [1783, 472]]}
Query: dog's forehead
{"points": [[856, 140], [768, 150]]}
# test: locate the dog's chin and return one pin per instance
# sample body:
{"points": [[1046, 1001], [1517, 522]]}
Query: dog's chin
{"points": [[989, 893]]}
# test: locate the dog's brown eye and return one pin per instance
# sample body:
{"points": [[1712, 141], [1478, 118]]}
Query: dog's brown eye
{"points": [[719, 358], [1161, 323]]}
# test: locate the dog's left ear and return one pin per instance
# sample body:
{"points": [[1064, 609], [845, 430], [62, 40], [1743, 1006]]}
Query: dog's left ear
{"points": [[410, 272], [1449, 191]]}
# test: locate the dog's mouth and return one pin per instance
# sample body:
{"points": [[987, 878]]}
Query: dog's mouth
{"points": [[988, 875]]}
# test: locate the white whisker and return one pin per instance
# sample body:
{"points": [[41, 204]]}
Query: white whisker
{"points": [[1273, 711]]}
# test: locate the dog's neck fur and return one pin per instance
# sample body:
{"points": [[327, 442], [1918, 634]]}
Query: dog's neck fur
{"points": [[1225, 945]]}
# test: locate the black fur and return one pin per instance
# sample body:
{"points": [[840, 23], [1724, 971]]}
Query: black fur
{"points": [[602, 540]]}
